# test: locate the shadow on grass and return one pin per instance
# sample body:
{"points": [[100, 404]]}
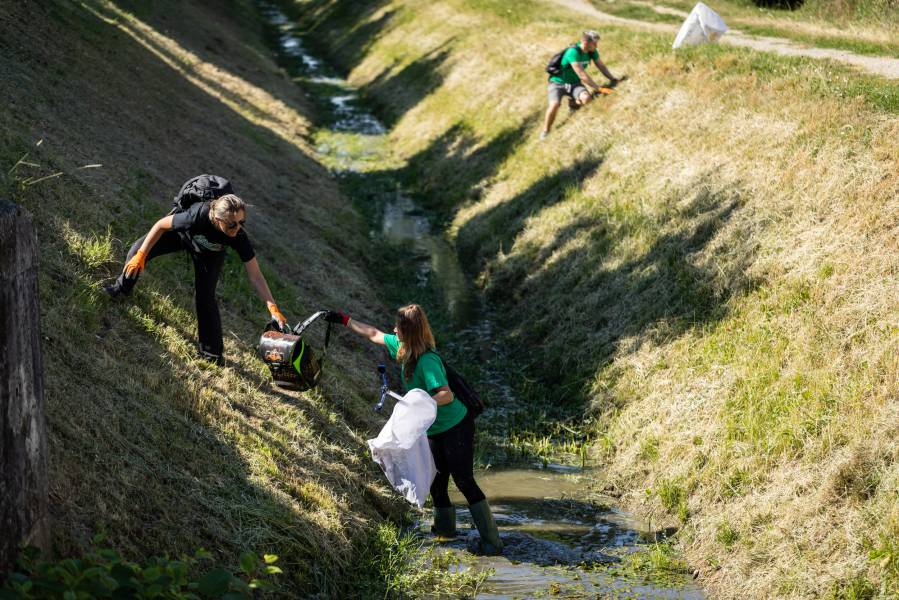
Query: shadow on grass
{"points": [[453, 169], [397, 92], [356, 20], [579, 314], [494, 230]]}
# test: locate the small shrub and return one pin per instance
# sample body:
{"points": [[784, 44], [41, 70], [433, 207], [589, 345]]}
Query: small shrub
{"points": [[674, 498], [726, 535], [658, 563], [649, 449], [394, 563]]}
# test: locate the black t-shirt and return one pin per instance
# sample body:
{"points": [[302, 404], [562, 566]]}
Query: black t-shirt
{"points": [[195, 221]]}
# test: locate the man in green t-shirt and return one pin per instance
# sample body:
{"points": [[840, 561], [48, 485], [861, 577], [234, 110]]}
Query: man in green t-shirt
{"points": [[573, 80]]}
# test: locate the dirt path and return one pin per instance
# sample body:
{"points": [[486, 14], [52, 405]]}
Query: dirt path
{"points": [[876, 65]]}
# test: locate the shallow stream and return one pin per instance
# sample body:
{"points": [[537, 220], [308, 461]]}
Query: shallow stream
{"points": [[562, 539]]}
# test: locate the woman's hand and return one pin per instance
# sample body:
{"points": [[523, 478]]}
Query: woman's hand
{"points": [[277, 318], [372, 334], [337, 317], [135, 266]]}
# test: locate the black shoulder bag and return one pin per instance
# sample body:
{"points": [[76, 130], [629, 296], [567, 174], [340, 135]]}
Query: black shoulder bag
{"points": [[462, 390]]}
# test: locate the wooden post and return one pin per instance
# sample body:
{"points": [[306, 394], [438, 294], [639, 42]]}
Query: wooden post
{"points": [[24, 516]]}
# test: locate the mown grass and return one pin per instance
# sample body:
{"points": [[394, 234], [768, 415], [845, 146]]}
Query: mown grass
{"points": [[157, 450], [872, 35], [876, 16], [825, 41], [696, 263]]}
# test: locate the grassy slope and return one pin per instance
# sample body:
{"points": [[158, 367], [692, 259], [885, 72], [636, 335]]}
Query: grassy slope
{"points": [[862, 27], [703, 266], [160, 451]]}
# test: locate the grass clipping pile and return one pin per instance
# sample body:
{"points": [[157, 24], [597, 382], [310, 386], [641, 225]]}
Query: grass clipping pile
{"points": [[717, 240]]}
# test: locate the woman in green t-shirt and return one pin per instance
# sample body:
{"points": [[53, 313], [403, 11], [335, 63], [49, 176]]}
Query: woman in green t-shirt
{"points": [[451, 437]]}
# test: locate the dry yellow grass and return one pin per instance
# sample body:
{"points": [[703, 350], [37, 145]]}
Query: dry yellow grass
{"points": [[708, 257]]}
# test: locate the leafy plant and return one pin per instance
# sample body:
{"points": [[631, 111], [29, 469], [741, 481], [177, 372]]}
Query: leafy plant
{"points": [[674, 498], [396, 563], [726, 534], [104, 574]]}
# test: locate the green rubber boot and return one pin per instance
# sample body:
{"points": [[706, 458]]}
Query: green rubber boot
{"points": [[444, 526], [491, 544]]}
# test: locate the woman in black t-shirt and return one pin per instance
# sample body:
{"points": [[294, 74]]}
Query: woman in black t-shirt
{"points": [[205, 230]]}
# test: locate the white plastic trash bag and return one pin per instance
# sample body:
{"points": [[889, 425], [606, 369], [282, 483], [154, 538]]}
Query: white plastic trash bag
{"points": [[702, 25], [401, 449]]}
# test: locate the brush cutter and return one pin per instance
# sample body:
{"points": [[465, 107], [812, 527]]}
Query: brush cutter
{"points": [[608, 89]]}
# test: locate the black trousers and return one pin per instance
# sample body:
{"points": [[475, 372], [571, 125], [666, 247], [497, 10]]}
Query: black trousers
{"points": [[207, 268], [453, 452]]}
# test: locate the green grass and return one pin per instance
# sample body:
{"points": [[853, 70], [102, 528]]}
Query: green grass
{"points": [[879, 13], [736, 15], [838, 82], [658, 563], [822, 41], [401, 567], [636, 11], [673, 497], [727, 535]]}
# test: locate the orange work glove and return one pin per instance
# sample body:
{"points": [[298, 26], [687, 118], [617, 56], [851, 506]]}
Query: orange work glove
{"points": [[277, 317], [135, 266]]}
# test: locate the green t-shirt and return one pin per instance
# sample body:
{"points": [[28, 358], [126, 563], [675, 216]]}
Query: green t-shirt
{"points": [[574, 54], [429, 375]]}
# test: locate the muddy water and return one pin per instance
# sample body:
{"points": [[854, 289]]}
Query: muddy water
{"points": [[562, 540]]}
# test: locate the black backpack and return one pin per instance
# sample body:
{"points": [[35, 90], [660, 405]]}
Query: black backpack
{"points": [[200, 189], [463, 391], [554, 66]]}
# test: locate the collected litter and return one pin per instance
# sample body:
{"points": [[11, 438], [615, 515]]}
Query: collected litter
{"points": [[293, 363], [702, 25], [401, 449]]}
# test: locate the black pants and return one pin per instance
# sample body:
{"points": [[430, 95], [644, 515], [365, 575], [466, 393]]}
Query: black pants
{"points": [[207, 268], [453, 452]]}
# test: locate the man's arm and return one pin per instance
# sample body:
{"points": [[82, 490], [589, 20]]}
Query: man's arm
{"points": [[604, 70], [582, 74]]}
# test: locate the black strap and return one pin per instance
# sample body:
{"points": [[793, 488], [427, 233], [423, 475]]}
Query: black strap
{"points": [[299, 329], [327, 340]]}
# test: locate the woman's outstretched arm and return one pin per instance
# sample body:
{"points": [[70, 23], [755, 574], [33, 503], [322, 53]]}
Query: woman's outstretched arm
{"points": [[369, 332]]}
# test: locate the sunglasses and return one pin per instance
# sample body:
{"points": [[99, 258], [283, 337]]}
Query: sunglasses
{"points": [[233, 224]]}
